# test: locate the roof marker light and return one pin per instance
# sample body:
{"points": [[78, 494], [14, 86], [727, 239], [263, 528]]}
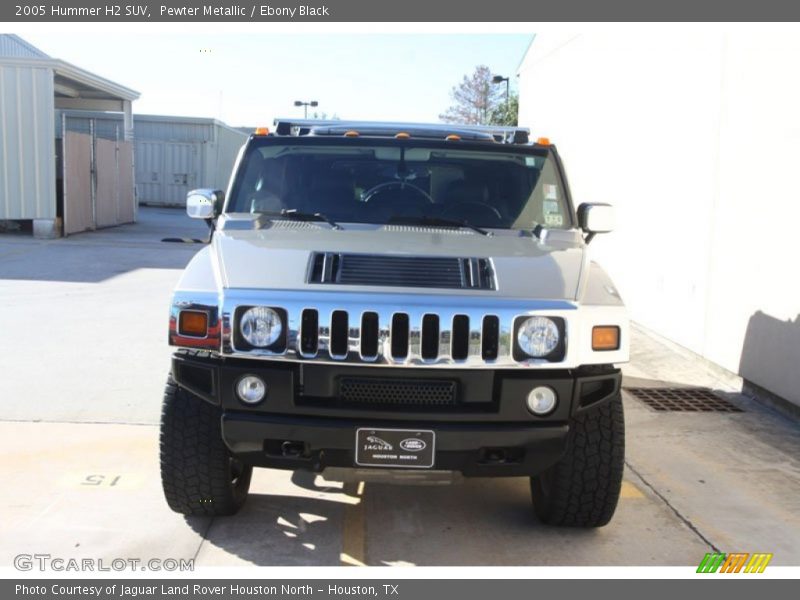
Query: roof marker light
{"points": [[262, 130], [543, 141], [453, 138], [402, 136], [351, 134]]}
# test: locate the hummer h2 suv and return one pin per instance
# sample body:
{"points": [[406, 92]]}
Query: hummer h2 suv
{"points": [[396, 299]]}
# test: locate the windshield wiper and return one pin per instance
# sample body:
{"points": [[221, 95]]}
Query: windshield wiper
{"points": [[298, 215], [437, 221]]}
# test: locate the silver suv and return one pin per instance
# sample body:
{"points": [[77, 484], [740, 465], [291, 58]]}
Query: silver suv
{"points": [[384, 298]]}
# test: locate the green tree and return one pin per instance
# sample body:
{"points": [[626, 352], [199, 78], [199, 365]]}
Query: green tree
{"points": [[506, 113]]}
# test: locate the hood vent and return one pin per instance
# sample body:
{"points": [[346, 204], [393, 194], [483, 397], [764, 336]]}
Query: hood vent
{"points": [[402, 271]]}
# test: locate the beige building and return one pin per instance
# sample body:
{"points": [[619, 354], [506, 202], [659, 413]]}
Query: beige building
{"points": [[695, 138]]}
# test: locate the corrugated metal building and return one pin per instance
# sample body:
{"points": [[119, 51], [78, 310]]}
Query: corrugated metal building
{"points": [[32, 87], [177, 154]]}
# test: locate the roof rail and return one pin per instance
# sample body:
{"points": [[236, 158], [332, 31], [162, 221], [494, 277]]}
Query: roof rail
{"points": [[499, 133]]}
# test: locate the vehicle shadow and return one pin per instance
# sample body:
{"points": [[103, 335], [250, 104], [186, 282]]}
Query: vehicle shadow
{"points": [[92, 257], [458, 524], [481, 521], [276, 529]]}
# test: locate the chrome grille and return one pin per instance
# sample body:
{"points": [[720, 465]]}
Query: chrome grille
{"points": [[342, 337], [400, 329]]}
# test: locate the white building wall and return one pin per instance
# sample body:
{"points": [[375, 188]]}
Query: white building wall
{"points": [[27, 145], [695, 138]]}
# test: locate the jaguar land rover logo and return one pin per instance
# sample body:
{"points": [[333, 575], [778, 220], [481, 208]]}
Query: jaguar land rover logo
{"points": [[376, 443], [413, 445]]}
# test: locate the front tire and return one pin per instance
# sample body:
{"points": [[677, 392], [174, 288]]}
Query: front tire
{"points": [[582, 489], [198, 473]]}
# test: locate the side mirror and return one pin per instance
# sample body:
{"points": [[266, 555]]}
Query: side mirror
{"points": [[204, 203], [595, 218]]}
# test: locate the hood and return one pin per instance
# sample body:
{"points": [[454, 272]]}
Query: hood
{"points": [[278, 257]]}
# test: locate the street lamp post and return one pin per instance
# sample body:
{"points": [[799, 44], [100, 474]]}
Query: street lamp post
{"points": [[305, 105], [501, 79]]}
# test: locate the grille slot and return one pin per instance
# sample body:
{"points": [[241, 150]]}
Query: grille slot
{"points": [[459, 349], [397, 392], [369, 335], [430, 337], [401, 271], [490, 338], [339, 334], [309, 332], [399, 336]]}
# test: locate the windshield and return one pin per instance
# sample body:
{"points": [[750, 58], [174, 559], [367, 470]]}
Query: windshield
{"points": [[361, 181]]}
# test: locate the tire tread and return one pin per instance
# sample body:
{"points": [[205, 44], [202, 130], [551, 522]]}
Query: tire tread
{"points": [[195, 465]]}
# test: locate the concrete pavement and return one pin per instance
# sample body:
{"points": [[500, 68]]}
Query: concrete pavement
{"points": [[84, 359]]}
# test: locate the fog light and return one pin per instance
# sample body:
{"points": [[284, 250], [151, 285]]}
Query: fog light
{"points": [[251, 389], [541, 400]]}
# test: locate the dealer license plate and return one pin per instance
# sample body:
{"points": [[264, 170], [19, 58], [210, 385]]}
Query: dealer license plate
{"points": [[406, 448]]}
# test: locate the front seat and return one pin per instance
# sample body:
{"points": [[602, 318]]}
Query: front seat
{"points": [[332, 193], [469, 201], [265, 188]]}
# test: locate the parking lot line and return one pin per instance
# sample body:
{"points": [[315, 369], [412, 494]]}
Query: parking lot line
{"points": [[629, 490], [353, 529]]}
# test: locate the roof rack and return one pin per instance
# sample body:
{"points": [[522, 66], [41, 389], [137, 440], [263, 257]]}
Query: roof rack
{"points": [[318, 127]]}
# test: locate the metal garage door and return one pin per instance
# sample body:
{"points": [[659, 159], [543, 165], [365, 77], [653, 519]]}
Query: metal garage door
{"points": [[167, 170]]}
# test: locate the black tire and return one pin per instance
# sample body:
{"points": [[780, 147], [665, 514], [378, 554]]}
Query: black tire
{"points": [[582, 489], [198, 473]]}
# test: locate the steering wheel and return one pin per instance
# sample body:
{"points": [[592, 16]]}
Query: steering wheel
{"points": [[387, 185], [474, 204]]}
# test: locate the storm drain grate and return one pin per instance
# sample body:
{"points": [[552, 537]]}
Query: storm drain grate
{"points": [[683, 400]]}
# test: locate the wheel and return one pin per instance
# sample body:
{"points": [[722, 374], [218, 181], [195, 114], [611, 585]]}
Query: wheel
{"points": [[198, 473], [582, 489]]}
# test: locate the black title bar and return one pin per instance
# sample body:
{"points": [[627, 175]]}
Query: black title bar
{"points": [[441, 11]]}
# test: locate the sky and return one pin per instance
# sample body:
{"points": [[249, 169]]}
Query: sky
{"points": [[247, 79]]}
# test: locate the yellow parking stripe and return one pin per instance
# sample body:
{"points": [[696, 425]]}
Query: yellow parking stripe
{"points": [[353, 531], [630, 491]]}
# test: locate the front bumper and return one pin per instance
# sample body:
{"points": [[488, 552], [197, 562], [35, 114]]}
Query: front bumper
{"points": [[473, 449], [305, 424]]}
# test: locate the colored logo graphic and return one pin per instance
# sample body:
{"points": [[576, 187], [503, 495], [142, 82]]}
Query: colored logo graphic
{"points": [[735, 562]]}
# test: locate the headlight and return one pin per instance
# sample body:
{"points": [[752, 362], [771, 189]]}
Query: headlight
{"points": [[538, 336], [261, 326]]}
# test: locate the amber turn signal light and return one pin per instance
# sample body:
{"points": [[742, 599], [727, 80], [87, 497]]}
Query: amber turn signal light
{"points": [[605, 337], [193, 323]]}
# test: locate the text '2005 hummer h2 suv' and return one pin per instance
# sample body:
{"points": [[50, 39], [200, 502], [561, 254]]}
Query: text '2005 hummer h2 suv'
{"points": [[389, 298]]}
